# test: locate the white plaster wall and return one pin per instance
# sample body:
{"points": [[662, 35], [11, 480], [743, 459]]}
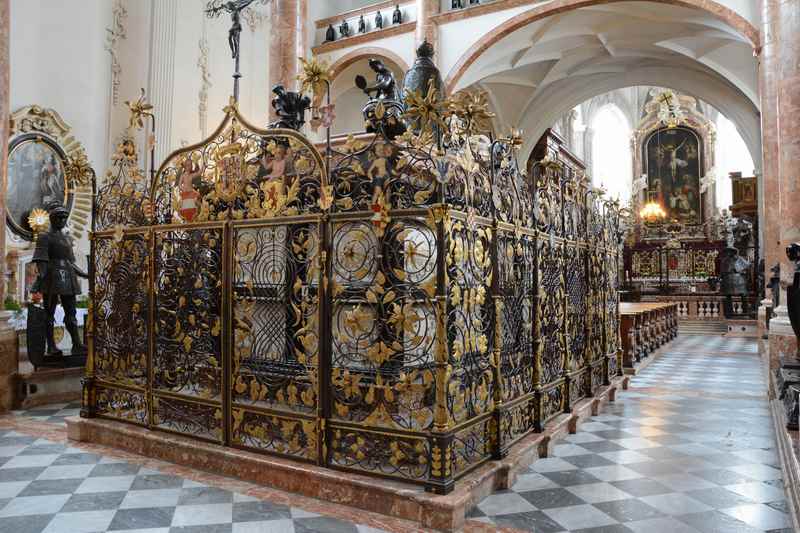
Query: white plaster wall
{"points": [[254, 86], [58, 61], [402, 45]]}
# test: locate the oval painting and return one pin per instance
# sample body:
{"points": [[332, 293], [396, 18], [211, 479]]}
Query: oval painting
{"points": [[35, 179]]}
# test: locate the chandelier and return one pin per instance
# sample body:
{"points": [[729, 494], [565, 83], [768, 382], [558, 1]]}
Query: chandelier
{"points": [[652, 212]]}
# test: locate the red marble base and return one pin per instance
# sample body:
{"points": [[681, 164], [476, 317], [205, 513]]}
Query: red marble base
{"points": [[52, 385], [788, 452], [391, 498], [781, 345]]}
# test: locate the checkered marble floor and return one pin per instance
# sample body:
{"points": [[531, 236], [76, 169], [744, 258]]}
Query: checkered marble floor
{"points": [[52, 413], [688, 448], [49, 487], [53, 488]]}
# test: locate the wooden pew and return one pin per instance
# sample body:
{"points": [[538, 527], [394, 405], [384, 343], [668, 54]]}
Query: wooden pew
{"points": [[645, 327]]}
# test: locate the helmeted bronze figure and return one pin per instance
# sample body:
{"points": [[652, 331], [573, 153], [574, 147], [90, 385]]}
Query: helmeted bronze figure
{"points": [[58, 278]]}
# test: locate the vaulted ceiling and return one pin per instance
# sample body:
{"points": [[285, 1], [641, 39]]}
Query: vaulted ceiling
{"points": [[542, 70]]}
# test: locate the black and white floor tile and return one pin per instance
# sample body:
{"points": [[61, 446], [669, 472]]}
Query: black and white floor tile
{"points": [[689, 448]]}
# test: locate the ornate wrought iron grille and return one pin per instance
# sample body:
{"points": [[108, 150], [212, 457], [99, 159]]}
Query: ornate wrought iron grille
{"points": [[410, 312]]}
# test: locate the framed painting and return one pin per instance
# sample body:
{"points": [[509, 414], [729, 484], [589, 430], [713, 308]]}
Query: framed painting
{"points": [[674, 161], [36, 178]]}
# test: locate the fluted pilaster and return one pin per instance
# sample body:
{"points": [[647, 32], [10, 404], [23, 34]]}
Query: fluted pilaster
{"points": [[162, 72], [8, 352]]}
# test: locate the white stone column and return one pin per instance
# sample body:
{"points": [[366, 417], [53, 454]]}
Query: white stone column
{"points": [[161, 83]]}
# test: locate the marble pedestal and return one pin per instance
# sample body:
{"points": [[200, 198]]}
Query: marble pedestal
{"points": [[8, 362], [391, 498]]}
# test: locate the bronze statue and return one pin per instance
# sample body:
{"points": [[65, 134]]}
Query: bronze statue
{"points": [[775, 284], [235, 9], [793, 290], [330, 34], [344, 29], [385, 87], [385, 93], [58, 278], [397, 15], [290, 107], [734, 270], [362, 24], [378, 21]]}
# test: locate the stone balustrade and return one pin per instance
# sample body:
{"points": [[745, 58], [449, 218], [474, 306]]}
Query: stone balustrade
{"points": [[695, 307]]}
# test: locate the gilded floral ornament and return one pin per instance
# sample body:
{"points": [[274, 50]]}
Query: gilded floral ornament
{"points": [[358, 321], [139, 110], [315, 77], [428, 111], [472, 109], [78, 169]]}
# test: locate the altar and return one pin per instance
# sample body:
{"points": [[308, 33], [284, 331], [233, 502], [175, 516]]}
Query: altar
{"points": [[682, 249]]}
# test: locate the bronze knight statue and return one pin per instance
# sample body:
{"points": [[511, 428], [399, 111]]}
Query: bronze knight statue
{"points": [[58, 278]]}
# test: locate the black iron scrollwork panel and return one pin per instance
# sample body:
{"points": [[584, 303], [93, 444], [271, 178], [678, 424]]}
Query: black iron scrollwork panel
{"points": [[612, 302], [124, 199], [383, 174], [122, 404], [471, 446], [510, 190], [121, 308], [469, 184], [188, 276], [384, 320], [577, 308], [597, 306], [400, 456], [515, 422], [548, 201], [276, 286], [295, 437], [550, 312], [516, 255], [188, 417], [470, 387]]}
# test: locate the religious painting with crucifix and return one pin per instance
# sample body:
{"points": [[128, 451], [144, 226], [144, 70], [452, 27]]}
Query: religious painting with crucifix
{"points": [[674, 161]]}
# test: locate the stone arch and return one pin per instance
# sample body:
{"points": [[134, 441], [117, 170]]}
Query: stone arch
{"points": [[351, 57]]}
